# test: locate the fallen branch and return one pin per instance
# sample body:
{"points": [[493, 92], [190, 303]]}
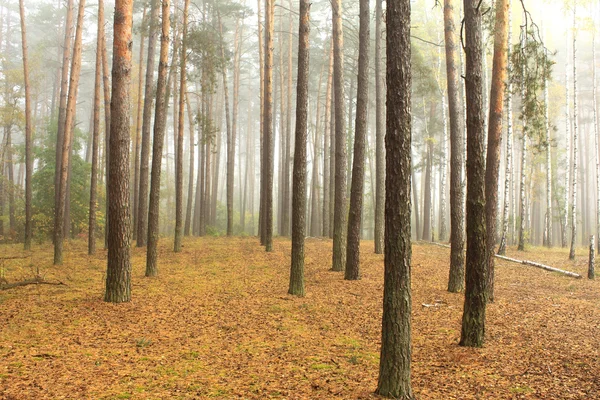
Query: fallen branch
{"points": [[542, 266], [35, 281], [524, 262]]}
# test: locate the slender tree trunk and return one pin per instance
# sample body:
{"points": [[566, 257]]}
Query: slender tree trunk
{"points": [[69, 124], [379, 131], [394, 365], [142, 213], [522, 222], [360, 137], [107, 121], [340, 214], [288, 131], [314, 191], [457, 236], [326, 147], [548, 216], [96, 133], [268, 127], [473, 321], [575, 132], [261, 48], [179, 148], [28, 132], [118, 273], [596, 138], [160, 122], [565, 219], [427, 197], [138, 128], [190, 196], [299, 191], [235, 106], [492, 172], [62, 108]]}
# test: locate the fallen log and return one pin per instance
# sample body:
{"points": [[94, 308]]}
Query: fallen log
{"points": [[524, 262], [542, 266], [35, 281]]}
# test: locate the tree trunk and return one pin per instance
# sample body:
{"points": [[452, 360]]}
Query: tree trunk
{"points": [[473, 321], [548, 216], [288, 131], [190, 196], [575, 132], [457, 235], [118, 273], [492, 172], [596, 139], [326, 148], [340, 211], [360, 137], [138, 128], [69, 125], [314, 191], [107, 121], [522, 227], [394, 365], [379, 131], [299, 190], [268, 127], [28, 132], [160, 122], [179, 149], [508, 172], [142, 214], [427, 197], [62, 107], [565, 217], [96, 133]]}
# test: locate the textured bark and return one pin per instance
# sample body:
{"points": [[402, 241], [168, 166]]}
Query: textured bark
{"points": [[268, 127], [443, 167], [138, 129], [522, 200], [190, 196], [548, 216], [62, 107], [508, 172], [575, 133], [494, 139], [379, 131], [326, 148], [160, 122], [299, 180], [427, 197], [96, 132], [457, 236], [107, 121], [28, 132], [394, 365], [565, 216], [118, 273], [66, 150], [340, 210], [142, 213], [179, 148], [473, 321], [591, 259], [360, 137]]}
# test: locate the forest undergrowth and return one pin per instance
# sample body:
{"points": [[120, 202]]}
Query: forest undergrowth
{"points": [[218, 323]]}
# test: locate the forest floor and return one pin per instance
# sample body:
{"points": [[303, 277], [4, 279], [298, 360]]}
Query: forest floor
{"points": [[218, 323]]}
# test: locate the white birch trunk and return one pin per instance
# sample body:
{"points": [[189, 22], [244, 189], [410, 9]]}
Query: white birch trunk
{"points": [[548, 219], [565, 216], [575, 132]]}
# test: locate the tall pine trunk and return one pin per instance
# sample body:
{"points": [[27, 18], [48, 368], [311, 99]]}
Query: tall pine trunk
{"points": [[379, 131], [299, 181], [118, 272], [360, 137], [160, 122]]}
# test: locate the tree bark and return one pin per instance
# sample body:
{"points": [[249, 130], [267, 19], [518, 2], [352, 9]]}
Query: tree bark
{"points": [[492, 172], [118, 273], [28, 132], [394, 365], [299, 182], [179, 149], [66, 150], [360, 137], [138, 128], [160, 122], [326, 148], [473, 321], [340, 212], [379, 131], [96, 133], [142, 213], [190, 196], [457, 236], [268, 127]]}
